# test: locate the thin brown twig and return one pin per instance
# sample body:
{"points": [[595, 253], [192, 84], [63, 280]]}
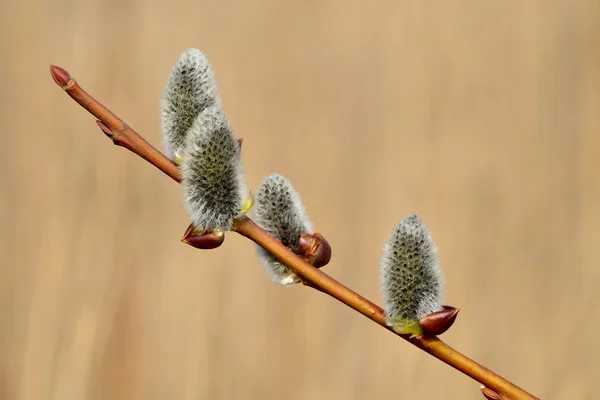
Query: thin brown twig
{"points": [[122, 135], [114, 127]]}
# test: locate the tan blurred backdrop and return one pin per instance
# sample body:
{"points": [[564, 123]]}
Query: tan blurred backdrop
{"points": [[480, 116]]}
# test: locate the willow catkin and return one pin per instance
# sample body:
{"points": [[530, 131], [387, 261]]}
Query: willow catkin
{"points": [[213, 181], [410, 275], [191, 88], [279, 211]]}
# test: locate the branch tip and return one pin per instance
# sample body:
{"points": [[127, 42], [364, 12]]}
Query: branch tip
{"points": [[61, 76]]}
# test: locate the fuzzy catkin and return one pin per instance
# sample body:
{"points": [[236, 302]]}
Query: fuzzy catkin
{"points": [[190, 89], [213, 180], [279, 211], [410, 275]]}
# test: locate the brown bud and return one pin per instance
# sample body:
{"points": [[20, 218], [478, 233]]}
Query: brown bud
{"points": [[105, 129], [205, 240], [490, 394], [239, 142], [60, 76], [438, 322], [314, 249]]}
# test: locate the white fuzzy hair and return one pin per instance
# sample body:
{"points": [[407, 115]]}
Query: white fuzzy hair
{"points": [[279, 211], [410, 274], [213, 180], [190, 89]]}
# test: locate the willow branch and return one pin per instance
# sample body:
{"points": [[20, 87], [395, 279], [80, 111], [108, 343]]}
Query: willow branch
{"points": [[114, 127], [122, 135]]}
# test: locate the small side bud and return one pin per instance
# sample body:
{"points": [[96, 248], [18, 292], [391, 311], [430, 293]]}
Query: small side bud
{"points": [[314, 249], [439, 322], [203, 240], [190, 89], [212, 177], [279, 211], [490, 394], [410, 276], [105, 130]]}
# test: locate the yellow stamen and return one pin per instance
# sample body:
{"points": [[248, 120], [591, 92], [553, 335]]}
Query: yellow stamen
{"points": [[248, 201], [406, 326]]}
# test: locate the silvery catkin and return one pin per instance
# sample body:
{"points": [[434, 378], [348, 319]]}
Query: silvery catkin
{"points": [[279, 211], [190, 89], [410, 275], [213, 181]]}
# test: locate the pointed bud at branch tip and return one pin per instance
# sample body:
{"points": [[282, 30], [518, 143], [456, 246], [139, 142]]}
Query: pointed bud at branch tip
{"points": [[490, 394], [239, 142], [314, 249], [439, 322], [60, 76], [105, 129], [205, 240]]}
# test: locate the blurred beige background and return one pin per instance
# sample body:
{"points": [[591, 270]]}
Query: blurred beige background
{"points": [[480, 116]]}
